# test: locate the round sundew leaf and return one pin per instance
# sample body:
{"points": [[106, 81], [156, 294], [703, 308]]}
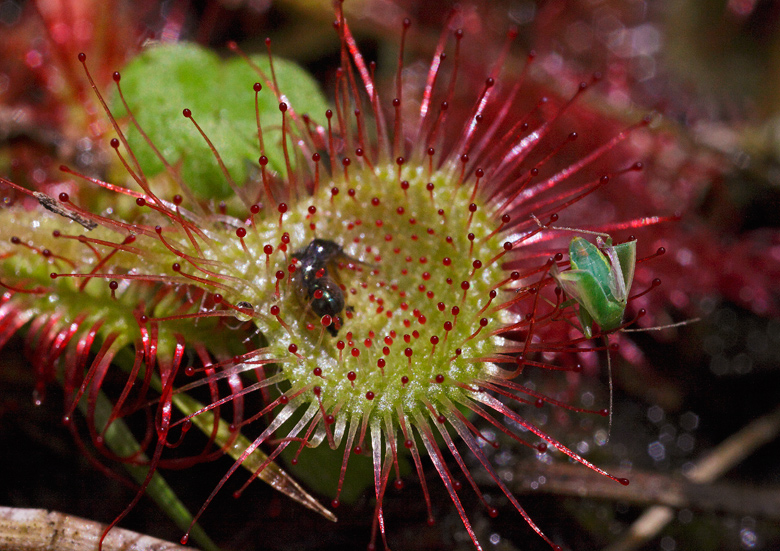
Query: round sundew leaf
{"points": [[164, 80]]}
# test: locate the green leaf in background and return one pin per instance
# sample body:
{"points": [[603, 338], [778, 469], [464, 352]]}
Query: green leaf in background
{"points": [[163, 80]]}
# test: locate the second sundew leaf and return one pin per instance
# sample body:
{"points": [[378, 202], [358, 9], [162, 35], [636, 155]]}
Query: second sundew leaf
{"points": [[163, 80], [121, 441]]}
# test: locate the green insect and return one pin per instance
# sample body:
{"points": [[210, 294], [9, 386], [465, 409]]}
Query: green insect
{"points": [[599, 281]]}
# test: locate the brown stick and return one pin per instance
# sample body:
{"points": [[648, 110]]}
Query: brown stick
{"points": [[649, 489], [719, 460], [42, 530]]}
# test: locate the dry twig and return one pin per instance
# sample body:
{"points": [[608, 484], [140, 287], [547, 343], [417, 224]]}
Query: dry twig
{"points": [[718, 461], [42, 530], [649, 489]]}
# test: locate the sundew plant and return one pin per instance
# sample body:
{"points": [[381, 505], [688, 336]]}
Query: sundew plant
{"points": [[379, 277]]}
